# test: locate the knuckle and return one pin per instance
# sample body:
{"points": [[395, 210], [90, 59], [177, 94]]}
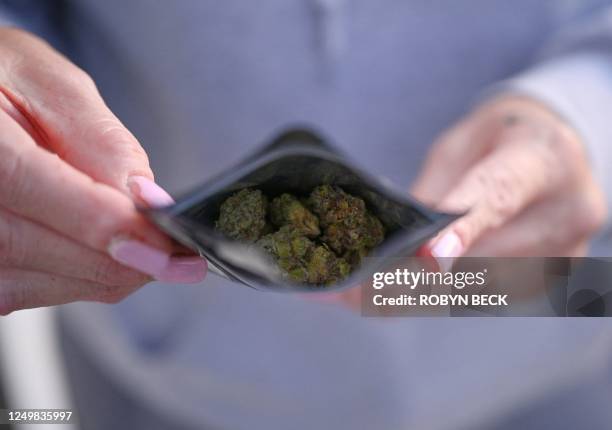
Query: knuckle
{"points": [[81, 79], [111, 132], [113, 137], [51, 70], [73, 83], [502, 197]]}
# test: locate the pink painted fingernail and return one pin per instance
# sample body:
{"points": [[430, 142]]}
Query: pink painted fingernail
{"points": [[157, 263], [184, 269], [446, 249], [149, 192], [449, 245]]}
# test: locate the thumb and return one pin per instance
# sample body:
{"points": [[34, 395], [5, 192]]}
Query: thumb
{"points": [[63, 105], [517, 173]]}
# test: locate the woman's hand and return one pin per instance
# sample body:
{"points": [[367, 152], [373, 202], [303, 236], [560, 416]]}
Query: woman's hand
{"points": [[68, 227], [524, 178]]}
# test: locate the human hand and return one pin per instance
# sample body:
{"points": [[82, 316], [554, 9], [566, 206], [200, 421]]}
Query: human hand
{"points": [[523, 175], [69, 229]]}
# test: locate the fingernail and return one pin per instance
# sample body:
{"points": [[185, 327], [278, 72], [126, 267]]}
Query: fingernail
{"points": [[184, 269], [446, 249], [157, 263], [149, 192], [448, 245]]}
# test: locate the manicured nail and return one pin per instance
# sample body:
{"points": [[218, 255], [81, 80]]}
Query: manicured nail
{"points": [[446, 249], [190, 270], [448, 245], [149, 192], [157, 263]]}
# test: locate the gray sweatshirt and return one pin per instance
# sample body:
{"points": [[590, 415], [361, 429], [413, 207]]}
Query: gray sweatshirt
{"points": [[201, 83]]}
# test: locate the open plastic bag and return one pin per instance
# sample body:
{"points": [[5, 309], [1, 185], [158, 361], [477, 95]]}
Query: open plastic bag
{"points": [[296, 162]]}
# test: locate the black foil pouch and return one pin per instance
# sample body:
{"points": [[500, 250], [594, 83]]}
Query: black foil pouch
{"points": [[297, 161]]}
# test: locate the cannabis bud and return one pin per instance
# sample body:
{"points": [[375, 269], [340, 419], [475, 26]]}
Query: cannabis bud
{"points": [[332, 204], [348, 226], [287, 210], [325, 268], [301, 259], [318, 240], [243, 215]]}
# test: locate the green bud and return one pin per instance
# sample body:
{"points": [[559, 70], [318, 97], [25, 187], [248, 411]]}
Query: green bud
{"points": [[288, 210], [350, 231], [242, 216], [331, 204]]}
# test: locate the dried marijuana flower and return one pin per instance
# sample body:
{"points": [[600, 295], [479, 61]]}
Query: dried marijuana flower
{"points": [[243, 215], [287, 210], [317, 240]]}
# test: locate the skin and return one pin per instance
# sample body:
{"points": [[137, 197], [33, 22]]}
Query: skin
{"points": [[523, 174], [58, 142]]}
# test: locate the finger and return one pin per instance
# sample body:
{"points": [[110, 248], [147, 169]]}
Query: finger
{"points": [[578, 250], [518, 172], [450, 157], [555, 227], [20, 289], [45, 189], [26, 245], [147, 193], [61, 101], [7, 106], [41, 187]]}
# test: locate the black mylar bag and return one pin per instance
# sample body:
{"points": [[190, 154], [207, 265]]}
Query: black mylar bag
{"points": [[295, 162]]}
